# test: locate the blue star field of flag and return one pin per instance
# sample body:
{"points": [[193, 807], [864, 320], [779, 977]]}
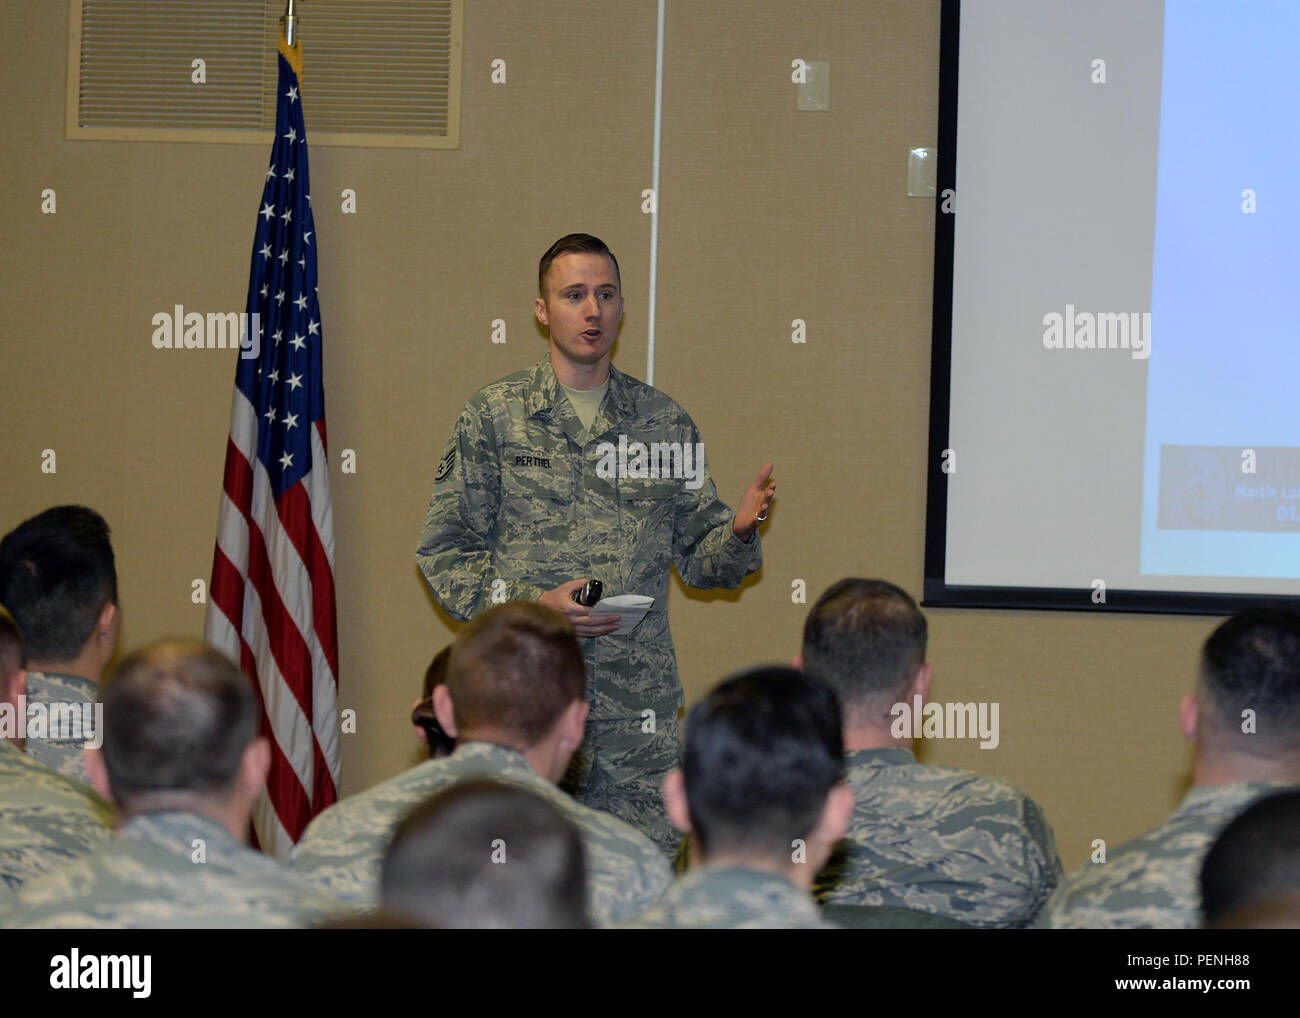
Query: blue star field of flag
{"points": [[284, 383]]}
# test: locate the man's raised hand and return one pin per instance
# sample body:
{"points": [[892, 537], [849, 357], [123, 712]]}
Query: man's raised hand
{"points": [[754, 504]]}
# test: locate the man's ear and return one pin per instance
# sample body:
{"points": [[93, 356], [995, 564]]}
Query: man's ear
{"points": [[836, 814], [254, 765], [98, 773], [18, 686], [107, 628], [1189, 713], [444, 710], [539, 309], [921, 684], [675, 804], [797, 663], [573, 723]]}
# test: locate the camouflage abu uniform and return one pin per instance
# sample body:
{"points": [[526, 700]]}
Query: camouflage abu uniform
{"points": [[63, 755], [1153, 881], [940, 840], [149, 876], [733, 898], [518, 498], [342, 850], [46, 819]]}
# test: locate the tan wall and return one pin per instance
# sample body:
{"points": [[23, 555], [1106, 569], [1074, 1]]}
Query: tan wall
{"points": [[766, 215]]}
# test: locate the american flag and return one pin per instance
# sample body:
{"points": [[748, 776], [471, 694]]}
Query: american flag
{"points": [[271, 604]]}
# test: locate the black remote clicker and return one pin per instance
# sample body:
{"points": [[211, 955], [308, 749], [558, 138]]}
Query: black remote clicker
{"points": [[589, 593]]}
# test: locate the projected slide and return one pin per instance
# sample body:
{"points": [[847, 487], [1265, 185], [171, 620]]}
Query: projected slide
{"points": [[1221, 492], [1115, 393]]}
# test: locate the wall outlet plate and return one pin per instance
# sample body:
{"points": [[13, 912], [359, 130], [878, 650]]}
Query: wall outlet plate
{"points": [[922, 172]]}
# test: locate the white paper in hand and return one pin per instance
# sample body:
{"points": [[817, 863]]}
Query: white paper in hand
{"points": [[630, 609]]}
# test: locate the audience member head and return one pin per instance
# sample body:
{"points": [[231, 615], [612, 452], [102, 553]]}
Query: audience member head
{"points": [[516, 678], [1254, 861], [58, 578], [866, 639], [13, 670], [423, 718], [760, 783], [1245, 713], [483, 855], [180, 732]]}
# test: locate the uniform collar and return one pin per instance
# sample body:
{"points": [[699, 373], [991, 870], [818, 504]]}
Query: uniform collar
{"points": [[171, 826], [75, 681], [1224, 799], [735, 882], [546, 397], [502, 756], [881, 756]]}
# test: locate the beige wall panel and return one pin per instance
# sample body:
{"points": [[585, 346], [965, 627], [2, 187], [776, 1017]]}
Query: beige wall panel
{"points": [[767, 215]]}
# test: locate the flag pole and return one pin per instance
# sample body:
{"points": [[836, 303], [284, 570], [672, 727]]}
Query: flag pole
{"points": [[290, 23]]}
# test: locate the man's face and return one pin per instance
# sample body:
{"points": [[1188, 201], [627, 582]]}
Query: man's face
{"points": [[582, 307]]}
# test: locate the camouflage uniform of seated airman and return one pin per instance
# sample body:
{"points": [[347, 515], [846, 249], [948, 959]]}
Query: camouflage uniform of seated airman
{"points": [[46, 819], [521, 505], [733, 898], [170, 870], [1153, 881], [940, 840], [63, 755], [342, 850]]}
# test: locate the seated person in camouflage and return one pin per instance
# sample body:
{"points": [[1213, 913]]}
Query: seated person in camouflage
{"points": [[46, 819], [515, 702], [58, 577], [1254, 864], [185, 765], [760, 792], [481, 855], [1244, 720], [931, 839]]}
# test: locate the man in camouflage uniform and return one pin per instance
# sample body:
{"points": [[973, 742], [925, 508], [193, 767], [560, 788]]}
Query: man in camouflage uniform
{"points": [[58, 577], [1244, 719], [183, 760], [531, 498], [931, 839], [46, 819], [515, 702], [760, 790]]}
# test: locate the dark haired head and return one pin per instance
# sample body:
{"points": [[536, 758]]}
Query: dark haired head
{"points": [[56, 574], [1252, 663], [762, 753], [573, 243], [866, 638], [178, 716], [1255, 859], [515, 669], [483, 855]]}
